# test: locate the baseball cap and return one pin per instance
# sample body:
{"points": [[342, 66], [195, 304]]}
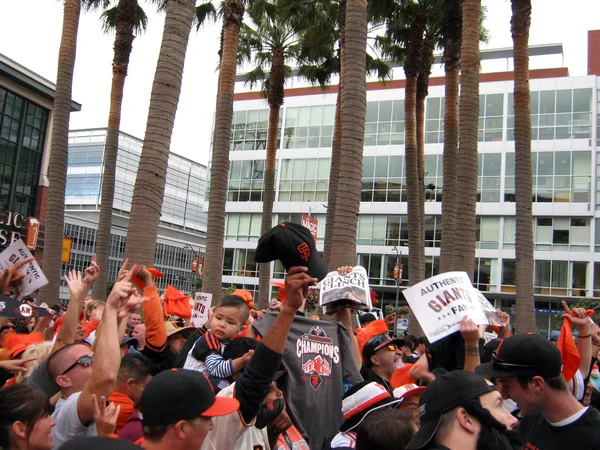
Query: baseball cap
{"points": [[293, 245], [111, 442], [408, 391], [181, 394], [377, 343], [362, 399], [442, 395], [523, 355], [129, 341]]}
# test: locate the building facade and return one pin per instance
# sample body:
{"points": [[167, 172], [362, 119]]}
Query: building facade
{"points": [[182, 228], [26, 103], [565, 116]]}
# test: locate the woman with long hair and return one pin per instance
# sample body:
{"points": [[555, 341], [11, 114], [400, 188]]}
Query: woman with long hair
{"points": [[25, 421]]}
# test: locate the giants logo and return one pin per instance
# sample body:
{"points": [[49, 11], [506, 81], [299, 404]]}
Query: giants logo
{"points": [[304, 251], [318, 354]]}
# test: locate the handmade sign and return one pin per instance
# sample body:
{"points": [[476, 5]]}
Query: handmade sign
{"points": [[202, 302], [440, 303], [34, 277], [348, 291]]}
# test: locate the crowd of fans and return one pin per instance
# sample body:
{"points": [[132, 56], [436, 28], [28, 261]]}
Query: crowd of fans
{"points": [[124, 374]]}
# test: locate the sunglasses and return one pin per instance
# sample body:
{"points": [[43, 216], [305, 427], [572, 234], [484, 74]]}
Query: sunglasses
{"points": [[498, 363], [84, 361], [392, 348]]}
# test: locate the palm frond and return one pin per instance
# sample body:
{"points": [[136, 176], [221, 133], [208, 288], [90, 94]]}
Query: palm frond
{"points": [[109, 19], [204, 12], [95, 5]]}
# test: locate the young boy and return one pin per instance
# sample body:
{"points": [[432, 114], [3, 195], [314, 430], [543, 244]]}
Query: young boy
{"points": [[229, 319]]}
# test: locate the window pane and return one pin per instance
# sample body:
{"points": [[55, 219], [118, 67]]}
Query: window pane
{"points": [[563, 101], [547, 102], [491, 164], [582, 100], [372, 111], [494, 104]]}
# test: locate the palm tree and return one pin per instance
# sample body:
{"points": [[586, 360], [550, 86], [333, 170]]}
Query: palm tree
{"points": [[233, 14], [520, 23], [57, 170], [452, 33], [150, 181], [276, 39], [126, 18], [354, 104], [468, 127]]}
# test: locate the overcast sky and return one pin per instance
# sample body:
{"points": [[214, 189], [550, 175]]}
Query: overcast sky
{"points": [[30, 34]]}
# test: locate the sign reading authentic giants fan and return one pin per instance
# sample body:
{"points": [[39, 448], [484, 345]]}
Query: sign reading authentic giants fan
{"points": [[34, 277], [348, 291], [202, 302], [312, 224], [440, 303], [318, 354]]}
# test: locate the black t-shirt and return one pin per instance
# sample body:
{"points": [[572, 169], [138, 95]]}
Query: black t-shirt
{"points": [[584, 433]]}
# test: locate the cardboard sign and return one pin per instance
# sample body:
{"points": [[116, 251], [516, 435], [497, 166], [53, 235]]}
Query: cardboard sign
{"points": [[440, 303], [34, 277], [202, 302], [348, 291]]}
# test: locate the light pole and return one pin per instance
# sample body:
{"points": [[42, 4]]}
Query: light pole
{"points": [[312, 208], [398, 278]]}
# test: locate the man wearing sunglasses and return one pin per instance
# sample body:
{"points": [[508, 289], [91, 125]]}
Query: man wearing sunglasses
{"points": [[380, 356], [529, 369], [80, 373]]}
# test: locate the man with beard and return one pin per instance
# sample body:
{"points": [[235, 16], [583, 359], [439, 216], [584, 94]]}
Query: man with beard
{"points": [[529, 369], [461, 411], [380, 356]]}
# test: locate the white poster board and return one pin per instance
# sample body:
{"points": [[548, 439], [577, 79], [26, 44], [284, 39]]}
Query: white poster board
{"points": [[34, 277], [440, 303], [202, 301]]}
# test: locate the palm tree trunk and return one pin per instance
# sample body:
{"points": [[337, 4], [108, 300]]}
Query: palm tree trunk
{"points": [[275, 98], [468, 126], [452, 31], [233, 13], [520, 23], [354, 106], [125, 21], [57, 170], [150, 181], [336, 145]]}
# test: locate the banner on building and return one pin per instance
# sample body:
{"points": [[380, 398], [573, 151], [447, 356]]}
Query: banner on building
{"points": [[202, 302], [200, 265], [312, 224], [194, 265], [67, 245], [398, 267], [440, 302], [34, 277], [32, 232]]}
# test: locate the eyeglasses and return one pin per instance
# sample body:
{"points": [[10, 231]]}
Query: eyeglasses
{"points": [[84, 361], [497, 363]]}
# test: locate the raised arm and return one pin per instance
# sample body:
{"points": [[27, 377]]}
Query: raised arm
{"points": [[78, 289], [470, 333], [344, 316], [108, 358], [156, 332], [578, 318]]}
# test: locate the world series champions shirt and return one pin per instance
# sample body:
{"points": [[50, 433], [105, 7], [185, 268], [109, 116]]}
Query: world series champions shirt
{"points": [[318, 359]]}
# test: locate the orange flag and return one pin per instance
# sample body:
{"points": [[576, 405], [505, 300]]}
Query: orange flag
{"points": [[568, 349]]}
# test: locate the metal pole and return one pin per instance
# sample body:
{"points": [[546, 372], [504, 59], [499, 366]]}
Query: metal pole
{"points": [[397, 292]]}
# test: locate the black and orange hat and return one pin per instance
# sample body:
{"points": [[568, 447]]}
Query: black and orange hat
{"points": [[110, 442], [293, 245], [181, 394]]}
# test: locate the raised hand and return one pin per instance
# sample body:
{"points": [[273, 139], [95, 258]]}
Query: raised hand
{"points": [[77, 287], [123, 270], [577, 316], [16, 365], [133, 303], [344, 270], [469, 331], [92, 272], [105, 416], [12, 276], [122, 291], [297, 282]]}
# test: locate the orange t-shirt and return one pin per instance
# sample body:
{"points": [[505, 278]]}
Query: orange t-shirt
{"points": [[127, 407]]}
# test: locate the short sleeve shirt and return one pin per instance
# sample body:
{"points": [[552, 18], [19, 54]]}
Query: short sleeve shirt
{"points": [[68, 425]]}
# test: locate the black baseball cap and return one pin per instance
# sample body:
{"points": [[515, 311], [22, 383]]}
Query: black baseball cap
{"points": [[111, 442], [377, 343], [293, 245], [445, 393], [180, 394], [523, 355]]}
